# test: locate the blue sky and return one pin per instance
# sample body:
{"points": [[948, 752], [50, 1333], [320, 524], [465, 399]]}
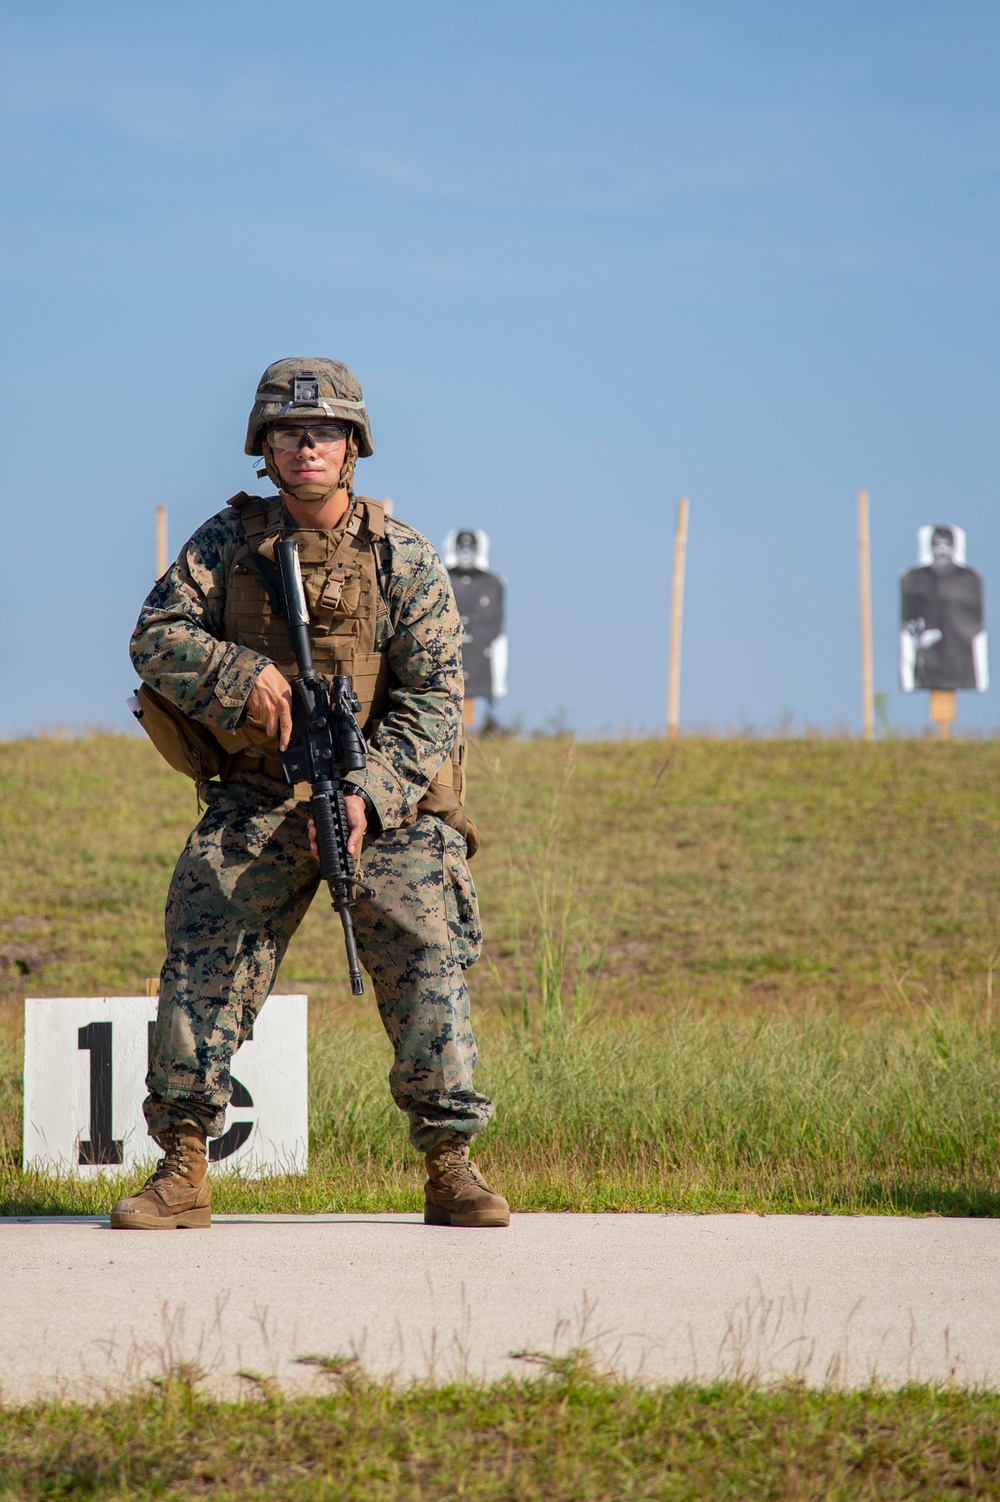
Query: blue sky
{"points": [[584, 259]]}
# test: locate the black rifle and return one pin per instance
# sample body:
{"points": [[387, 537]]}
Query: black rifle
{"points": [[327, 744]]}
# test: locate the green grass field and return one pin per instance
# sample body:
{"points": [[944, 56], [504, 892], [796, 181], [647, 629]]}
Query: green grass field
{"points": [[568, 1436], [718, 975]]}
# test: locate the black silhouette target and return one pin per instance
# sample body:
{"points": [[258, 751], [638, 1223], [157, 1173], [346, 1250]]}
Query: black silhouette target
{"points": [[479, 596], [943, 618]]}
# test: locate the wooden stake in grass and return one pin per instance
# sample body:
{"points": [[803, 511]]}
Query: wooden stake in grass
{"points": [[865, 581], [161, 541], [676, 618], [943, 711]]}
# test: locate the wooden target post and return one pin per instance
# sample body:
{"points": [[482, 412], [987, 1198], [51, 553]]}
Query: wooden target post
{"points": [[161, 541], [676, 619], [943, 710], [865, 582]]}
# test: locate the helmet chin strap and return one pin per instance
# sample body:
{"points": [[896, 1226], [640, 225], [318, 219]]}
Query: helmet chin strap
{"points": [[311, 494]]}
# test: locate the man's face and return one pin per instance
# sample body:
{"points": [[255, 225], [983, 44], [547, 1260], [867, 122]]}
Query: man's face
{"points": [[943, 547], [307, 451], [465, 549]]}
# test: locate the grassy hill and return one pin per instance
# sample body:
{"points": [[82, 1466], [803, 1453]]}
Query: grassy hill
{"points": [[795, 943], [727, 873]]}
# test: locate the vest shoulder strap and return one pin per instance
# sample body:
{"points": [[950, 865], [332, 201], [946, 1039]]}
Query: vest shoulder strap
{"points": [[374, 515], [259, 516], [262, 517]]}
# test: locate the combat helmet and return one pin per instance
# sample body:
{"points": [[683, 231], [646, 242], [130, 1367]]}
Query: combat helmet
{"points": [[308, 387]]}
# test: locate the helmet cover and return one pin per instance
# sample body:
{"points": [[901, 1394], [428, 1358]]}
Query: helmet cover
{"points": [[308, 387]]}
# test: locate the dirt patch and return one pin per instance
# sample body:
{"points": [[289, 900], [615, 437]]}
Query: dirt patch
{"points": [[23, 959], [26, 923]]}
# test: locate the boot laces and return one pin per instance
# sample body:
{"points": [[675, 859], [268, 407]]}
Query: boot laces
{"points": [[174, 1164], [456, 1167]]}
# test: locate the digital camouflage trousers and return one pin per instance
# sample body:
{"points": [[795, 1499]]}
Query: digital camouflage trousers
{"points": [[240, 890]]}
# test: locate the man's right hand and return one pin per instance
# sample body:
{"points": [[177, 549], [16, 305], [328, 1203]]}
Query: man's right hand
{"points": [[270, 704]]}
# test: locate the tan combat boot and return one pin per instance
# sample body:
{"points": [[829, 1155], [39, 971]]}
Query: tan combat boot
{"points": [[456, 1194], [175, 1196]]}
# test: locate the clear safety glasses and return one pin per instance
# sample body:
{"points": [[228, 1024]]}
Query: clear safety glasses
{"points": [[318, 435]]}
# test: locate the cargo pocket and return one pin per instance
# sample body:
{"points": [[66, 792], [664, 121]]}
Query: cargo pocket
{"points": [[460, 901]]}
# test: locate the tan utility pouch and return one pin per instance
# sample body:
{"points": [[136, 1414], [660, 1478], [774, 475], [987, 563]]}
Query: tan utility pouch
{"points": [[188, 747], [445, 797]]}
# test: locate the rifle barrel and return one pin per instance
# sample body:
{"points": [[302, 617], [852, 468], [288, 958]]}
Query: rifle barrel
{"points": [[353, 965], [337, 878]]}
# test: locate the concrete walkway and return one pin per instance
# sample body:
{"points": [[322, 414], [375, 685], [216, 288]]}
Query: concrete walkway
{"points": [[86, 1310]]}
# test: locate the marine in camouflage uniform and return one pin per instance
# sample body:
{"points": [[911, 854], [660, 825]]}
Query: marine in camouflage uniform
{"points": [[247, 874]]}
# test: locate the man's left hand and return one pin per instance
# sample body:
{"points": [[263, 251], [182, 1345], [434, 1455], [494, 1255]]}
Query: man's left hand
{"points": [[357, 821]]}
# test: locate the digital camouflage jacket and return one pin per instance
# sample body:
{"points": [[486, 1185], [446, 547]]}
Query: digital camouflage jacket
{"points": [[178, 648]]}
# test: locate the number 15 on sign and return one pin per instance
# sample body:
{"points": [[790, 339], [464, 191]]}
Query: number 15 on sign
{"points": [[85, 1062]]}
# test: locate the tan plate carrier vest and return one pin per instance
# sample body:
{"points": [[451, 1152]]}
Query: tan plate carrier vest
{"points": [[339, 574]]}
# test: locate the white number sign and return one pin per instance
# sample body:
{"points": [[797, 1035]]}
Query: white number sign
{"points": [[85, 1062]]}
